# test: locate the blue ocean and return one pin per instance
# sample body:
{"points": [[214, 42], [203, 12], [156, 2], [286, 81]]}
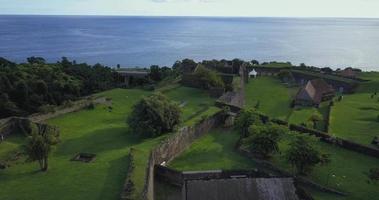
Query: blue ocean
{"points": [[143, 41]]}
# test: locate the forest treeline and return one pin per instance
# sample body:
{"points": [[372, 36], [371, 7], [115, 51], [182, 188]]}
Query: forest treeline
{"points": [[35, 86]]}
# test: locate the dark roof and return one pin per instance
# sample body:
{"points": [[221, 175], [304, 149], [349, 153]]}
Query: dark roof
{"points": [[314, 91], [241, 189]]}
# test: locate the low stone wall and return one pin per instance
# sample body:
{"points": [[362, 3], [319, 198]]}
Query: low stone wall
{"points": [[337, 141], [173, 146], [76, 106], [128, 184]]}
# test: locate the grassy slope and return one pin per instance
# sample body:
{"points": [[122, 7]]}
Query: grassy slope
{"points": [[94, 131], [213, 151], [11, 145], [354, 118], [195, 103], [349, 168], [274, 97]]}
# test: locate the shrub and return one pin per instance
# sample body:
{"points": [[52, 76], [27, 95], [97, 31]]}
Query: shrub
{"points": [[263, 139], [38, 145], [245, 119], [209, 78], [154, 115]]}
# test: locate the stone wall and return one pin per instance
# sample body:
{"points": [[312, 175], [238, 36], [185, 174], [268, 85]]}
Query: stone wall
{"points": [[128, 184], [370, 151], [174, 146], [76, 106], [235, 99], [302, 78]]}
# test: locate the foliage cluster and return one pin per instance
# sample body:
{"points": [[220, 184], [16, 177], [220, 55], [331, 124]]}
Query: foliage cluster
{"points": [[154, 115], [262, 139], [25, 88], [208, 78]]}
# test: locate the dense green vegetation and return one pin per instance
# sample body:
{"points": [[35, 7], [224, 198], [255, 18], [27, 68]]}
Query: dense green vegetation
{"points": [[100, 131], [31, 87], [154, 115], [355, 116], [208, 77], [274, 97], [213, 151]]}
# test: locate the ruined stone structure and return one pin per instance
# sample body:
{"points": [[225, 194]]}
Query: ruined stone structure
{"points": [[126, 77]]}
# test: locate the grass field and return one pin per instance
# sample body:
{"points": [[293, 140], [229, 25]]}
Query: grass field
{"points": [[97, 131], [301, 115], [273, 96], [11, 145], [213, 151], [194, 102], [355, 117], [346, 172]]}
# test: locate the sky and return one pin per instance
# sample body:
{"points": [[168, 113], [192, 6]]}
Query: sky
{"points": [[246, 8]]}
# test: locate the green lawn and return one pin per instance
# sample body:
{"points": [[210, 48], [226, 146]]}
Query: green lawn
{"points": [[355, 117], [194, 103], [274, 97], [301, 115], [12, 144], [212, 151], [346, 172], [99, 131]]}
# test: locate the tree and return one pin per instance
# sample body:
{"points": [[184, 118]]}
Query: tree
{"points": [[38, 146], [208, 78], [254, 62], [315, 118], [327, 70], [245, 119], [155, 73], [154, 115], [263, 139], [304, 156], [36, 60]]}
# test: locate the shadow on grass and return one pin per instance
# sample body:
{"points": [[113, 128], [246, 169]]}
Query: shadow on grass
{"points": [[99, 141], [114, 181]]}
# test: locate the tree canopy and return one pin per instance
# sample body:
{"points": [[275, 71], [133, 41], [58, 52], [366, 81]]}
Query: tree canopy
{"points": [[304, 156], [154, 115], [25, 87]]}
